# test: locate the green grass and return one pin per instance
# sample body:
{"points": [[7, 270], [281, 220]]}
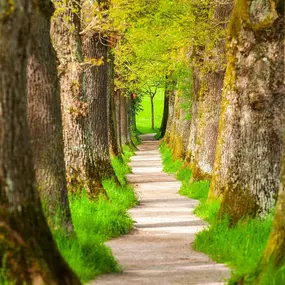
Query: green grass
{"points": [[143, 119], [96, 222], [169, 165], [239, 246]]}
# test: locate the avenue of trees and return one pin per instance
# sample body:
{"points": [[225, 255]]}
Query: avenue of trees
{"points": [[72, 74], [236, 134]]}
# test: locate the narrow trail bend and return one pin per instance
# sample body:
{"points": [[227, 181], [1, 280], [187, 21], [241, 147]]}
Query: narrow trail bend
{"points": [[158, 250]]}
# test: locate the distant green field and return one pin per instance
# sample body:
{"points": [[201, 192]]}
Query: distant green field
{"points": [[144, 117]]}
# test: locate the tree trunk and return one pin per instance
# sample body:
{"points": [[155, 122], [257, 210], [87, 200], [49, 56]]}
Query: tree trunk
{"points": [[191, 146], [129, 122], [182, 128], [26, 242], [170, 116], [275, 249], [212, 77], [44, 119], [75, 117], [165, 114], [95, 49], [123, 118], [117, 98], [247, 167], [115, 147], [152, 111]]}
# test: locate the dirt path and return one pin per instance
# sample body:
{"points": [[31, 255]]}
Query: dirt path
{"points": [[159, 250]]}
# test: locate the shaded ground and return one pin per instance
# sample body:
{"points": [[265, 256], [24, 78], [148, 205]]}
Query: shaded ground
{"points": [[158, 251]]}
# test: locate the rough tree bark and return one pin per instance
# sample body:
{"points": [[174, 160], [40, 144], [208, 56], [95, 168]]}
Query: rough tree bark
{"points": [[182, 127], [275, 249], [175, 119], [44, 120], [115, 146], [209, 101], [117, 99], [191, 145], [247, 166], [26, 242], [123, 118], [67, 42], [95, 49]]}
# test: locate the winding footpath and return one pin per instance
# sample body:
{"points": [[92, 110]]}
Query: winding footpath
{"points": [[158, 251]]}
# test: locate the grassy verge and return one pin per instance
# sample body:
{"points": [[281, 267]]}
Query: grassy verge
{"points": [[241, 246], [96, 222]]}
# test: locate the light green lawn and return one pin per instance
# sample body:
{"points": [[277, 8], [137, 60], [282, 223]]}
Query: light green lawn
{"points": [[144, 117]]}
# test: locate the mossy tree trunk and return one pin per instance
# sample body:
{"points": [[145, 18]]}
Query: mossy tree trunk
{"points": [[118, 102], [171, 95], [123, 118], [26, 242], [115, 146], [95, 52], [175, 120], [45, 122], [191, 145], [274, 254], [76, 132], [209, 101], [247, 166], [165, 114], [182, 127]]}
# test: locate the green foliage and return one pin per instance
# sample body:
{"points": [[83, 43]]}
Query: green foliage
{"points": [[4, 273], [170, 165], [157, 34], [96, 222]]}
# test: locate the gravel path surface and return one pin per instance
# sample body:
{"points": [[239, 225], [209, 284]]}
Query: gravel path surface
{"points": [[158, 250]]}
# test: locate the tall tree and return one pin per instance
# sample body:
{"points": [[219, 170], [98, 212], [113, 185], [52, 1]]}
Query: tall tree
{"points": [[78, 143], [212, 70], [115, 145], [95, 52], [26, 243], [248, 160], [44, 118]]}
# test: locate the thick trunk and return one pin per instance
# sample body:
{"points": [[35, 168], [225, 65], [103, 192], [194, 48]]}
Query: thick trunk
{"points": [[247, 167], [77, 149], [210, 96], [26, 242], [44, 119], [165, 114], [95, 49], [274, 253]]}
